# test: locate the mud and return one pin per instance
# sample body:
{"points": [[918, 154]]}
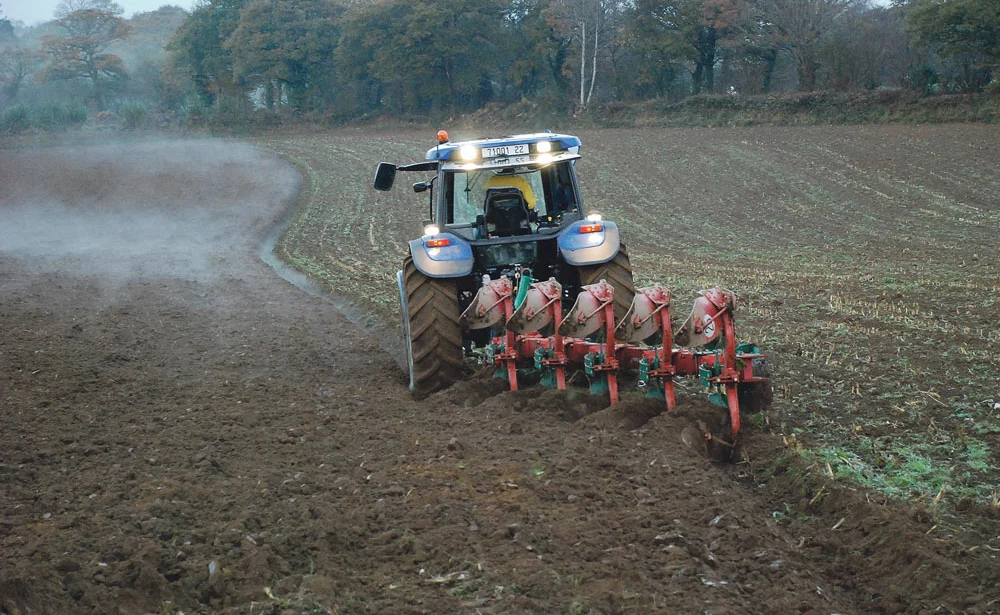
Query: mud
{"points": [[183, 430]]}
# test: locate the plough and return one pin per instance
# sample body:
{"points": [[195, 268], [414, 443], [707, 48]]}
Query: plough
{"points": [[589, 339]]}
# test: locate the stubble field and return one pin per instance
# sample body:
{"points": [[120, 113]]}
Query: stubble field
{"points": [[867, 260]]}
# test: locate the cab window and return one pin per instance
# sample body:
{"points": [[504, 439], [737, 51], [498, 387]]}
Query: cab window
{"points": [[548, 192]]}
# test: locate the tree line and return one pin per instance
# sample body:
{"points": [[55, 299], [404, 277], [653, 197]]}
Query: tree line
{"points": [[228, 60]]}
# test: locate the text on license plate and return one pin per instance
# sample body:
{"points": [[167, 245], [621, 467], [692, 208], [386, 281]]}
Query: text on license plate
{"points": [[505, 150]]}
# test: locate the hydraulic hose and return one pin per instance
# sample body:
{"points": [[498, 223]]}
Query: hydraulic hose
{"points": [[523, 287]]}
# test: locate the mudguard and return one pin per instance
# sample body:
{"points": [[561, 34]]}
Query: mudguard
{"points": [[452, 261], [589, 248]]}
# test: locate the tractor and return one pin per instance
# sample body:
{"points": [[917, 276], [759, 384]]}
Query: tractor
{"points": [[512, 266]]}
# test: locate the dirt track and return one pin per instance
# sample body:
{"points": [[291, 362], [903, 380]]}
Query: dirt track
{"points": [[183, 430]]}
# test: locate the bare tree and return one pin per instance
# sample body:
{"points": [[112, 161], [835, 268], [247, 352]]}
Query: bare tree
{"points": [[798, 27], [17, 63], [586, 22], [66, 7]]}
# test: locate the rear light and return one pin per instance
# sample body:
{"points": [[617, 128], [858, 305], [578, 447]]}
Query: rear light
{"points": [[591, 228], [438, 243]]}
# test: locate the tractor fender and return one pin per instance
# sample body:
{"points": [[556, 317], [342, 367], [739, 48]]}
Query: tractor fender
{"points": [[580, 248], [454, 260]]}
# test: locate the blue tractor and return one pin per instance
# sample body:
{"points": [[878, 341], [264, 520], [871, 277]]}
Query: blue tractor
{"points": [[499, 207]]}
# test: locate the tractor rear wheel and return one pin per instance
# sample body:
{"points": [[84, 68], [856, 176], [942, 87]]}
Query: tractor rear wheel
{"points": [[618, 273], [432, 336]]}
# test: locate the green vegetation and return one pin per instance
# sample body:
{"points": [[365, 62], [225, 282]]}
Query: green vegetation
{"points": [[47, 116], [134, 115]]}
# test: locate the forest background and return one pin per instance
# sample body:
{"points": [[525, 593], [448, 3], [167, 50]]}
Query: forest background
{"points": [[260, 63]]}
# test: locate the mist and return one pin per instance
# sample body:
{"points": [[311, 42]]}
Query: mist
{"points": [[182, 209]]}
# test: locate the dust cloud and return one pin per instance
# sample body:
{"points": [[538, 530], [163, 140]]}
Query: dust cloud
{"points": [[179, 209]]}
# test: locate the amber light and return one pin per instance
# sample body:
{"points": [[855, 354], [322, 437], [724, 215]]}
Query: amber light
{"points": [[438, 243], [442, 136], [591, 228]]}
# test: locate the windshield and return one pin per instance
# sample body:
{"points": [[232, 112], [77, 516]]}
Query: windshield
{"points": [[548, 192]]}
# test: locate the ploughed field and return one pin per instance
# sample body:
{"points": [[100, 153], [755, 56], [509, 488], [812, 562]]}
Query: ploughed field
{"points": [[183, 430]]}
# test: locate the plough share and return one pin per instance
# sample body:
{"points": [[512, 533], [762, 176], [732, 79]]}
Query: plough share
{"points": [[704, 346]]}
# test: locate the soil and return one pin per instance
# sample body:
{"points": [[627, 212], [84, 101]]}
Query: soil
{"points": [[182, 430]]}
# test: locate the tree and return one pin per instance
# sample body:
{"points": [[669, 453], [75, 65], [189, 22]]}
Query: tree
{"points": [[959, 27], [6, 28], [17, 64], [533, 54], [81, 53], [654, 35], [585, 23], [198, 49], [145, 57], [287, 44], [868, 49], [362, 29], [798, 27], [423, 55], [6, 31], [65, 7], [686, 30]]}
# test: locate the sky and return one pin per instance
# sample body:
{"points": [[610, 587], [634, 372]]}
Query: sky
{"points": [[35, 11]]}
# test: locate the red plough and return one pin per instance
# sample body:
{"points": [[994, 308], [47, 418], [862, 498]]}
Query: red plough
{"points": [[707, 339]]}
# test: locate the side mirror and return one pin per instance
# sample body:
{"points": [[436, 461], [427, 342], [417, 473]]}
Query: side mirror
{"points": [[421, 186], [385, 176]]}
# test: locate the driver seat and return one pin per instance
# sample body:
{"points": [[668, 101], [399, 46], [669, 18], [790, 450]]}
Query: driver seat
{"points": [[506, 213]]}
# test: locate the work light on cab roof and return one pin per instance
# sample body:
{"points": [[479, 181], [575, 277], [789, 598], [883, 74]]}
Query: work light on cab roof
{"points": [[535, 148], [512, 268]]}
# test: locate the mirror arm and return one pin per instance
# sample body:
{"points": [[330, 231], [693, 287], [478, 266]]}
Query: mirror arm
{"points": [[430, 208]]}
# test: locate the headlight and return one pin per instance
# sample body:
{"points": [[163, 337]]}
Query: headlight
{"points": [[543, 147], [468, 152], [594, 217], [432, 229]]}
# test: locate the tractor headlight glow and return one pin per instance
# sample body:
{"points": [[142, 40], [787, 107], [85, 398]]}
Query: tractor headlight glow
{"points": [[432, 229], [594, 217], [543, 147], [468, 152]]}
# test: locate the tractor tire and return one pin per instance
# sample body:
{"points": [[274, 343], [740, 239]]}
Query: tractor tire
{"points": [[618, 273], [432, 337]]}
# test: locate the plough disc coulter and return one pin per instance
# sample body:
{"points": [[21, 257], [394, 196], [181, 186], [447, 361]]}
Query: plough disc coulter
{"points": [[587, 338]]}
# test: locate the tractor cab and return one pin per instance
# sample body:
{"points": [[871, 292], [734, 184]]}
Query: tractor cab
{"points": [[498, 187], [510, 186]]}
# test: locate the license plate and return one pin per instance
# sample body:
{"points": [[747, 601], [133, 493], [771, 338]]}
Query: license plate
{"points": [[505, 150], [507, 161]]}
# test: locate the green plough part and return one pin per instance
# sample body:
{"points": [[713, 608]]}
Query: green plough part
{"points": [[654, 388], [705, 373], [522, 288], [491, 352], [548, 373], [598, 383], [718, 399]]}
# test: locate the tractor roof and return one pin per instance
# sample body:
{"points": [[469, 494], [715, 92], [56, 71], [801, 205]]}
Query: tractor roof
{"points": [[506, 151]]}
